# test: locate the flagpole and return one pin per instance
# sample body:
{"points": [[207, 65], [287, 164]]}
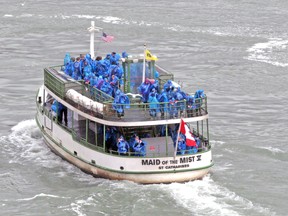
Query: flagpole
{"points": [[92, 29], [144, 64], [176, 146]]}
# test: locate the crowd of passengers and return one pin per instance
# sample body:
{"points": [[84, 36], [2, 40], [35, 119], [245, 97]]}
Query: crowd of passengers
{"points": [[135, 146], [106, 75], [171, 99]]}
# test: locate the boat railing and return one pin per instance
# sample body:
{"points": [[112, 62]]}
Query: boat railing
{"points": [[99, 104], [139, 111], [204, 146], [59, 83]]}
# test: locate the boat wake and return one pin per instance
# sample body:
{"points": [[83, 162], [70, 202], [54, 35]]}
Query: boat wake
{"points": [[270, 52], [201, 197], [25, 146], [206, 197]]}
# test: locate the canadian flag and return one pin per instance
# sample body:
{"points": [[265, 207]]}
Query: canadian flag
{"points": [[190, 141]]}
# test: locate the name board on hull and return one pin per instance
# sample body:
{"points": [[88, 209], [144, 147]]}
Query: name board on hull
{"points": [[166, 164]]}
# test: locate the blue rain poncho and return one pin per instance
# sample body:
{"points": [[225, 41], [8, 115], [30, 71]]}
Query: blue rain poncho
{"points": [[93, 80], [114, 80], [106, 87], [172, 106], [168, 86], [87, 69], [114, 58], [100, 81], [77, 71], [54, 107], [101, 68], [180, 96], [124, 54], [154, 84], [115, 70], [139, 147], [144, 90], [153, 104], [69, 68], [122, 145], [190, 102], [67, 60], [181, 144], [89, 59], [163, 99], [120, 101], [199, 94]]}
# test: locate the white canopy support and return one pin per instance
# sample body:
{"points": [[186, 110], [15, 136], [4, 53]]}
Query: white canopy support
{"points": [[92, 29]]}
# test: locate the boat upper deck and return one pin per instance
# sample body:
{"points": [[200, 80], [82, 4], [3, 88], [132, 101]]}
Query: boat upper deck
{"points": [[97, 104]]}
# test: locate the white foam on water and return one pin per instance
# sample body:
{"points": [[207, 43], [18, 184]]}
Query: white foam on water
{"points": [[79, 205], [41, 195], [25, 15], [267, 52], [215, 143], [272, 149], [206, 197], [25, 145], [8, 15]]}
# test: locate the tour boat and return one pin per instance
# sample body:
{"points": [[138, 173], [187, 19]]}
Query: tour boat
{"points": [[143, 138]]}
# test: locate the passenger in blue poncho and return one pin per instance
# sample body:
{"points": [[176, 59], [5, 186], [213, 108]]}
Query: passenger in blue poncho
{"points": [[139, 147], [168, 86], [144, 90], [99, 82], [199, 94], [190, 105], [111, 138], [89, 59], [179, 96], [69, 68], [120, 101], [163, 99], [101, 68], [124, 54], [114, 82], [114, 58], [77, 75], [173, 109], [181, 144], [87, 70], [60, 109], [153, 104], [106, 87], [67, 60], [123, 147]]}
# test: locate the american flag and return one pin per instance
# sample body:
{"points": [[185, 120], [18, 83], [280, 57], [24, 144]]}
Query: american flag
{"points": [[107, 38]]}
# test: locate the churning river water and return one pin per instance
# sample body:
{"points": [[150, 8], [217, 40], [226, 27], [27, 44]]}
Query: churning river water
{"points": [[235, 50]]}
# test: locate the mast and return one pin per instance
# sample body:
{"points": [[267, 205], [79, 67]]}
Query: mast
{"points": [[92, 29], [144, 64]]}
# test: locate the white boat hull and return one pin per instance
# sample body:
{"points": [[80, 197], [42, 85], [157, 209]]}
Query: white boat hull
{"points": [[145, 170], [139, 175]]}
